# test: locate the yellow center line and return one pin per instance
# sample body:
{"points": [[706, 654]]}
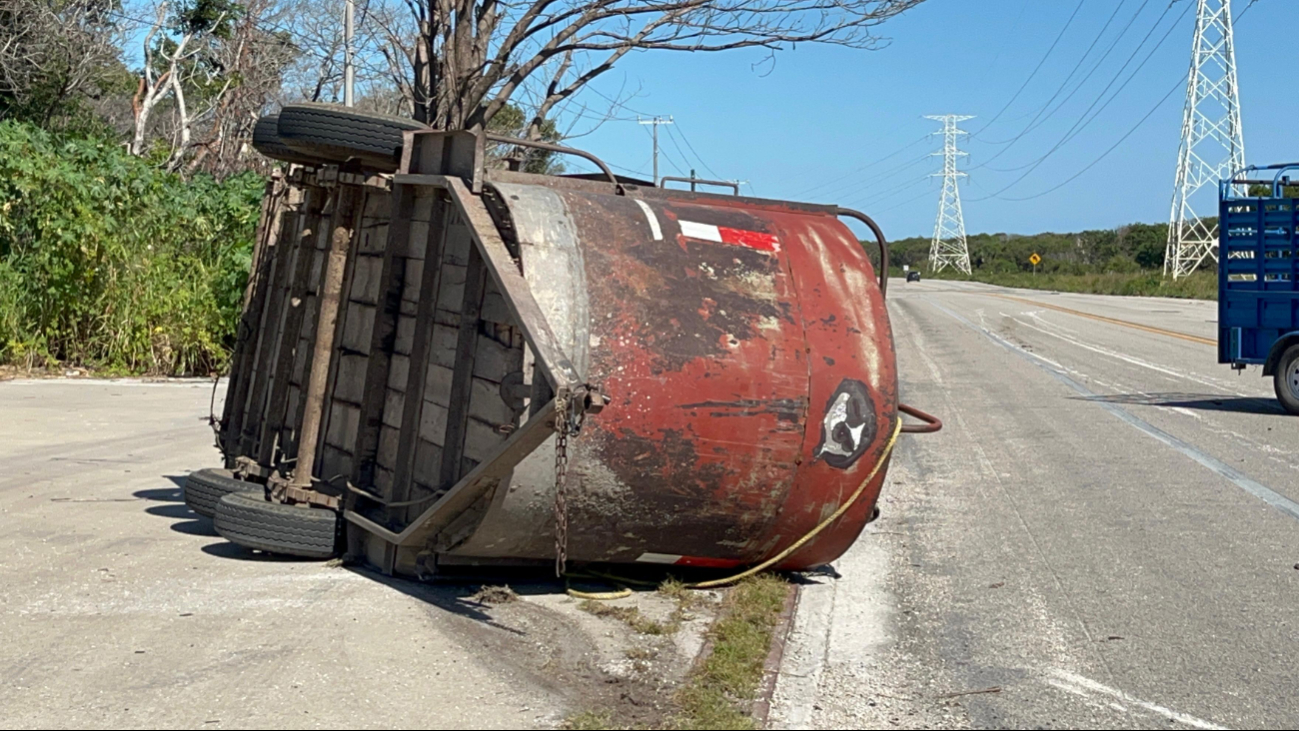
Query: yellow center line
{"points": [[1110, 320]]}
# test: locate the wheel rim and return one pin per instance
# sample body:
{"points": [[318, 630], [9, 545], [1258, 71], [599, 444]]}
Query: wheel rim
{"points": [[1292, 379]]}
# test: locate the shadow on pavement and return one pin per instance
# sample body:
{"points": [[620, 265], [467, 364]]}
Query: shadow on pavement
{"points": [[1199, 402], [226, 549], [185, 520], [460, 598]]}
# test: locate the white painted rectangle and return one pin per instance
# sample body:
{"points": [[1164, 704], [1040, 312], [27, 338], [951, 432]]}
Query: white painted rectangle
{"points": [[702, 231]]}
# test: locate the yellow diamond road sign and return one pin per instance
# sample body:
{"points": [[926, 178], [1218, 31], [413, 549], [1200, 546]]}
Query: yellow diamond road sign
{"points": [[1035, 259]]}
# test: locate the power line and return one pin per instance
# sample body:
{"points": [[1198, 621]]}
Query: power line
{"points": [[705, 165], [629, 170], [923, 194], [655, 122], [1084, 121], [1117, 75], [875, 198], [883, 177], [1038, 68], [1122, 139], [1002, 46], [1105, 154], [1038, 120], [867, 166]]}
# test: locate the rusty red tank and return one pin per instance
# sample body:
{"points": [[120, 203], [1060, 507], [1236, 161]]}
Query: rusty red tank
{"points": [[740, 348], [748, 356]]}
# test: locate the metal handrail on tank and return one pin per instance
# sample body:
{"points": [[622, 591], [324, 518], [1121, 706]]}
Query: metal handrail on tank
{"points": [[932, 423], [551, 147], [879, 237], [700, 181]]}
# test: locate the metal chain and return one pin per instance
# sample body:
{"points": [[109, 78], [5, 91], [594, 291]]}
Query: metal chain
{"points": [[562, 401]]}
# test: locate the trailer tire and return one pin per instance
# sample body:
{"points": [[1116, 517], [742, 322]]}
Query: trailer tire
{"points": [[1285, 379], [205, 488], [266, 140], [338, 134], [251, 521]]}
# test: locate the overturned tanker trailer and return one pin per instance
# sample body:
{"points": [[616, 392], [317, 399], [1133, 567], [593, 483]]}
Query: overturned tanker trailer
{"points": [[455, 365]]}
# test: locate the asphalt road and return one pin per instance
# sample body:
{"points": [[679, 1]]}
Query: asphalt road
{"points": [[1103, 535]]}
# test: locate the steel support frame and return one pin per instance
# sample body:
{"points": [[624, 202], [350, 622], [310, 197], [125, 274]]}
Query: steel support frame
{"points": [[492, 257]]}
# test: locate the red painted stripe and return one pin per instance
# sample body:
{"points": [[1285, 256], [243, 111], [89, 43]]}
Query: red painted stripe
{"points": [[749, 239], [707, 563]]}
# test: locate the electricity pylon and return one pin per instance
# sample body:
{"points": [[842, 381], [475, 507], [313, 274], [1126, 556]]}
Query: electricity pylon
{"points": [[1213, 143], [949, 247]]}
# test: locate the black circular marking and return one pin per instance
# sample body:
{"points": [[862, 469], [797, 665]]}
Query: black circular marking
{"points": [[848, 426]]}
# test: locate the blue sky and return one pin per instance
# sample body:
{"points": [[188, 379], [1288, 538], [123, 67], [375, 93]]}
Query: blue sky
{"points": [[806, 128]]}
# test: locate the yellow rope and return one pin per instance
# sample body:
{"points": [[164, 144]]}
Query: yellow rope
{"points": [[714, 583], [601, 596]]}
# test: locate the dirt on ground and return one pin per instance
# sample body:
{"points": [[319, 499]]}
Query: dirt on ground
{"points": [[123, 609]]}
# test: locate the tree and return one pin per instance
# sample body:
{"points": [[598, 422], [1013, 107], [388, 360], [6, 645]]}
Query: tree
{"points": [[473, 56], [1146, 243], [54, 54], [513, 122], [178, 53], [243, 75]]}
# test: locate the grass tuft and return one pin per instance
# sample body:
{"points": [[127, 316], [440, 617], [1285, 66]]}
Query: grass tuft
{"points": [[718, 693]]}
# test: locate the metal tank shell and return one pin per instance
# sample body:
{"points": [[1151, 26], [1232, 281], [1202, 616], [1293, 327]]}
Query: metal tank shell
{"points": [[749, 359], [412, 346]]}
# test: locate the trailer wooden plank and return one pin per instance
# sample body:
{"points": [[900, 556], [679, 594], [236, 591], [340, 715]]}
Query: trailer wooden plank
{"points": [[383, 336], [462, 379]]}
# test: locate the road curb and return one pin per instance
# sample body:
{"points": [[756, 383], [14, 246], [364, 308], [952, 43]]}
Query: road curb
{"points": [[775, 656]]}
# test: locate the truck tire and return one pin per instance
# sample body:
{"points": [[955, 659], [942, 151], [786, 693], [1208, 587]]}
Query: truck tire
{"points": [[203, 489], [337, 134], [251, 521], [1285, 379], [266, 140]]}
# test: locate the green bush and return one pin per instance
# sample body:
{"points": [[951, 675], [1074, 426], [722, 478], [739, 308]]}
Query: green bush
{"points": [[108, 262]]}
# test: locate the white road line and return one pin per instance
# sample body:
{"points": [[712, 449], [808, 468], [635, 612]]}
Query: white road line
{"points": [[1078, 685], [1239, 479], [1127, 358], [653, 219]]}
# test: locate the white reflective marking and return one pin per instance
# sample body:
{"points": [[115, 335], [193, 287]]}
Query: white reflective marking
{"points": [[1079, 685], [1253, 487], [704, 231], [658, 558], [653, 219]]}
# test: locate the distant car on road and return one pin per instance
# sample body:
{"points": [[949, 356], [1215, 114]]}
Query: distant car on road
{"points": [[913, 276], [1258, 322]]}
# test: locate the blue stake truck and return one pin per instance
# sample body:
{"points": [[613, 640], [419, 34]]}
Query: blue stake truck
{"points": [[1258, 279]]}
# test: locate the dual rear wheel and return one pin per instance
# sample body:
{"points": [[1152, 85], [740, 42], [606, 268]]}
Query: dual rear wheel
{"points": [[241, 514]]}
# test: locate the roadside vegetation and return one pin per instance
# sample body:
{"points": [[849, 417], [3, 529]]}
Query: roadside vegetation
{"points": [[720, 692], [112, 263], [1128, 260], [1202, 285]]}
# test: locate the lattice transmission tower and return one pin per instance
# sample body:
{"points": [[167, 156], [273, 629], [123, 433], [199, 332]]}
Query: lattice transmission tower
{"points": [[1213, 143], [949, 247]]}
